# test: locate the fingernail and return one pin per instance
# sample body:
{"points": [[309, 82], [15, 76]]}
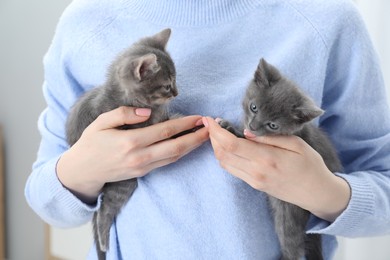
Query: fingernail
{"points": [[205, 123], [249, 134], [199, 122], [143, 111]]}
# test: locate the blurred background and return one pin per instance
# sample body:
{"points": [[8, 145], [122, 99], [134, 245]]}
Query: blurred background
{"points": [[26, 30]]}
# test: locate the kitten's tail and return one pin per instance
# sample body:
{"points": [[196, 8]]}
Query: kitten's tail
{"points": [[100, 254], [115, 195], [313, 247]]}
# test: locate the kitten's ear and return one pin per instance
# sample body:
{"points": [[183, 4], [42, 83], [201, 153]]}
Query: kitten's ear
{"points": [[145, 66], [163, 37], [307, 112], [266, 74]]}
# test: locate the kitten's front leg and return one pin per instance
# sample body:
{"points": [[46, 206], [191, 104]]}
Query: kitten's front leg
{"points": [[229, 126]]}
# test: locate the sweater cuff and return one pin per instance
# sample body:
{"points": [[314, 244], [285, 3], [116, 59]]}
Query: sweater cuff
{"points": [[61, 203], [360, 207]]}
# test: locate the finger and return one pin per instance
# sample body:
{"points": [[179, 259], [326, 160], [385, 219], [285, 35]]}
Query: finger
{"points": [[171, 150], [291, 143], [121, 116], [242, 162], [225, 139], [244, 168], [255, 174], [144, 170], [141, 162], [225, 152], [226, 158], [240, 168], [216, 129], [162, 131], [240, 147]]}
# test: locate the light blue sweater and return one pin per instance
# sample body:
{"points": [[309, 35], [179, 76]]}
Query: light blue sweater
{"points": [[193, 209]]}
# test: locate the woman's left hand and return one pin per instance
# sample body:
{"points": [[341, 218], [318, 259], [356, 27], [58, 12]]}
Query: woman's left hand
{"points": [[285, 167]]}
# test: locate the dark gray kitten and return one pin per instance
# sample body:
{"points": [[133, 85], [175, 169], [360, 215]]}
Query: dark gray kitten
{"points": [[273, 105], [142, 76]]}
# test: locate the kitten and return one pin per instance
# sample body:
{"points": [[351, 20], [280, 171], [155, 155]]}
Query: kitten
{"points": [[273, 105], [142, 76]]}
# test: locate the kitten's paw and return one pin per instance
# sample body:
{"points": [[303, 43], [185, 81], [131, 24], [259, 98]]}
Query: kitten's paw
{"points": [[229, 126], [224, 123]]}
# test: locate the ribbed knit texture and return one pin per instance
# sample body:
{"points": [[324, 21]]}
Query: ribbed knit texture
{"points": [[193, 209], [192, 13]]}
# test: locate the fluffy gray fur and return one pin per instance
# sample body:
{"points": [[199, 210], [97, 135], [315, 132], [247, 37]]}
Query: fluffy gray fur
{"points": [[142, 76], [273, 105]]}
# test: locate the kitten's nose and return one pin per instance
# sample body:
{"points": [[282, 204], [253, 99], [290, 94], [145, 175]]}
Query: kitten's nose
{"points": [[174, 92], [252, 126]]}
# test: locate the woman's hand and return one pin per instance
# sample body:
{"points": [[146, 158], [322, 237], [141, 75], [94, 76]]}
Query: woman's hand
{"points": [[106, 154], [285, 167]]}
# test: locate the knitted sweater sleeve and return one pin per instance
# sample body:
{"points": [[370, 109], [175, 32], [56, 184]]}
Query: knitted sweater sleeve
{"points": [[358, 118], [43, 191]]}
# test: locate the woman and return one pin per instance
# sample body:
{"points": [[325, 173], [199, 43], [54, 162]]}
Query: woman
{"points": [[194, 208]]}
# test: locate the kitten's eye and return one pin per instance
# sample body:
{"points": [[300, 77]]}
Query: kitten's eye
{"points": [[254, 108], [167, 87], [273, 126]]}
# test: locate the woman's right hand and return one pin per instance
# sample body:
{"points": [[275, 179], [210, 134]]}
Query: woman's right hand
{"points": [[105, 154]]}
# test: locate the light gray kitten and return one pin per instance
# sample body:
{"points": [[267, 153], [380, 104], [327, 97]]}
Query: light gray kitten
{"points": [[142, 76], [273, 105]]}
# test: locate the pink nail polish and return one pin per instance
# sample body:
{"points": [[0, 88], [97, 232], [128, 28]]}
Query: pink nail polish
{"points": [[199, 122], [205, 123], [143, 111], [249, 134]]}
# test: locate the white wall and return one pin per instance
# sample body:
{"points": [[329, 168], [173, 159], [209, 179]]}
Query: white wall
{"points": [[64, 244], [26, 30], [376, 15]]}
